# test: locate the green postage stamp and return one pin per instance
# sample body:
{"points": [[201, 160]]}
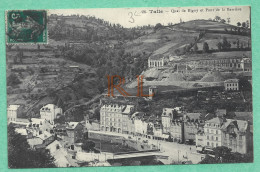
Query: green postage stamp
{"points": [[26, 26]]}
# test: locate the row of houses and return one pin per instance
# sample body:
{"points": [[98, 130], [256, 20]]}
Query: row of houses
{"points": [[41, 131], [204, 130], [48, 112], [232, 133], [243, 63]]}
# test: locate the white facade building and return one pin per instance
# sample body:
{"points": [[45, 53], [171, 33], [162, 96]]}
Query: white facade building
{"points": [[12, 112], [231, 84], [50, 112], [156, 61]]}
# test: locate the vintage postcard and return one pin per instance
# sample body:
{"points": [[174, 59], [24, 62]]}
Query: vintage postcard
{"points": [[129, 86]]}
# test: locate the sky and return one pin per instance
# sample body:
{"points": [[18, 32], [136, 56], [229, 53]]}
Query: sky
{"points": [[132, 17]]}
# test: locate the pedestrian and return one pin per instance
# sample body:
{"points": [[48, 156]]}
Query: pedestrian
{"points": [[190, 148]]}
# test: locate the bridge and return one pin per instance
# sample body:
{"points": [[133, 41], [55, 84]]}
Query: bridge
{"points": [[136, 154]]}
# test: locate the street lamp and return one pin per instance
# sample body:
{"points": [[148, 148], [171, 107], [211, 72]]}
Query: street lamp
{"points": [[178, 156]]}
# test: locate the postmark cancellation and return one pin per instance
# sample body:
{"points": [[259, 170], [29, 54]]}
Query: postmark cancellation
{"points": [[26, 26]]}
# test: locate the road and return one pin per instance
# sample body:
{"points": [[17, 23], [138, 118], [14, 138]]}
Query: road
{"points": [[177, 153]]}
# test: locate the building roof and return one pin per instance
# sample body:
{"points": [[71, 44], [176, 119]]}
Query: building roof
{"points": [[193, 116], [139, 115], [24, 120], [45, 135], [38, 121], [231, 81], [59, 154], [34, 141], [113, 106], [207, 116], [156, 57], [128, 109], [246, 116], [72, 125], [21, 131], [240, 124], [216, 120], [221, 112], [168, 112], [49, 107], [13, 107]]}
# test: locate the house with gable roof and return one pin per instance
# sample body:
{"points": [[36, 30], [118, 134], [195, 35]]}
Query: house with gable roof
{"points": [[75, 132], [237, 136]]}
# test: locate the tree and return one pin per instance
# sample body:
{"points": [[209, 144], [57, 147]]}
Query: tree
{"points": [[97, 114], [244, 24], [60, 119], [225, 43], [208, 160], [219, 45], [247, 24], [222, 153], [13, 80], [158, 26], [223, 21], [238, 24], [228, 20], [174, 114], [205, 47], [21, 156], [88, 145], [195, 47], [238, 44], [217, 18]]}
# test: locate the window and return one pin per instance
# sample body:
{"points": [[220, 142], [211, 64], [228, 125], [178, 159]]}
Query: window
{"points": [[217, 138], [208, 143], [216, 145]]}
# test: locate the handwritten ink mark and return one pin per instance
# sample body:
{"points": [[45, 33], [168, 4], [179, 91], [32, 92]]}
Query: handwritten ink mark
{"points": [[132, 20]]}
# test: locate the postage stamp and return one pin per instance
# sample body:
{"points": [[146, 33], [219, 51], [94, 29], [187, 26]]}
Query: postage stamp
{"points": [[26, 26]]}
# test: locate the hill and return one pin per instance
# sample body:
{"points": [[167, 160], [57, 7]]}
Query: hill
{"points": [[177, 39]]}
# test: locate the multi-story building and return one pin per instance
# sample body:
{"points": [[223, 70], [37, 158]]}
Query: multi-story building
{"points": [[114, 117], [231, 133], [212, 132], [156, 61], [41, 141], [231, 84], [167, 117], [12, 112], [75, 132], [225, 63], [38, 126], [176, 131], [140, 123], [127, 121], [190, 130], [246, 64], [237, 136], [50, 112], [200, 136]]}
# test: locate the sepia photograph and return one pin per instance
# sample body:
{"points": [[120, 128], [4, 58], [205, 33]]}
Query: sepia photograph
{"points": [[129, 86]]}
